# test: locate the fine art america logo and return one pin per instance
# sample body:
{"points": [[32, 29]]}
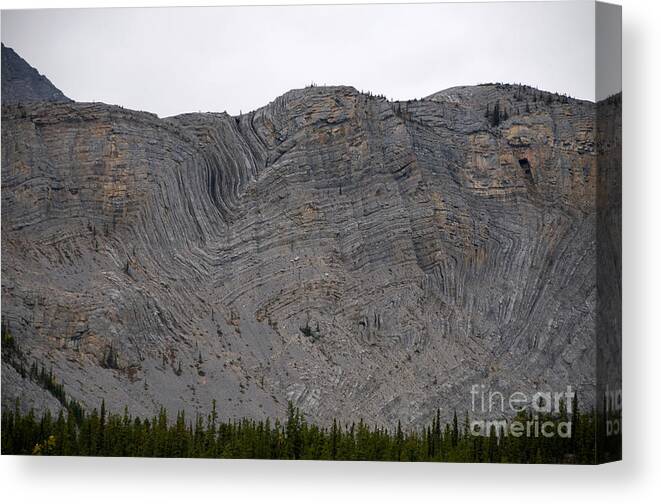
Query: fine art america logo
{"points": [[540, 403]]}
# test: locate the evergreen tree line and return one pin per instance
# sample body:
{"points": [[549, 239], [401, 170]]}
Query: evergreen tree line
{"points": [[75, 431], [121, 435]]}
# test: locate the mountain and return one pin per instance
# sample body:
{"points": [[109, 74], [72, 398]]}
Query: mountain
{"points": [[360, 257], [23, 84]]}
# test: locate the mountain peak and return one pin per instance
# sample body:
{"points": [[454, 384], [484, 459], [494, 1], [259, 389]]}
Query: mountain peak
{"points": [[21, 83]]}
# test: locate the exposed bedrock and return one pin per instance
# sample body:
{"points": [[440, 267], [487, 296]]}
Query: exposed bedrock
{"points": [[358, 257]]}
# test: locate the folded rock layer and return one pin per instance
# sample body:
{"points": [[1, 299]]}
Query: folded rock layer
{"points": [[359, 257]]}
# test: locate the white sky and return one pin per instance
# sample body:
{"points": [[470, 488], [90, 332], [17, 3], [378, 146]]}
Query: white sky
{"points": [[174, 60]]}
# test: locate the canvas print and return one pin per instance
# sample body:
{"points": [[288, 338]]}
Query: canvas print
{"points": [[356, 232]]}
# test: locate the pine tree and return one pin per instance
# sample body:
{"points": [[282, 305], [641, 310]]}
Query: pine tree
{"points": [[495, 115], [455, 430]]}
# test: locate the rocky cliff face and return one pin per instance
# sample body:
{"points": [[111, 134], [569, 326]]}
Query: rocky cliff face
{"points": [[359, 257]]}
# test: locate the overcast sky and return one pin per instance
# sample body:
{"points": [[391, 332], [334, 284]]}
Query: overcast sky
{"points": [[174, 60]]}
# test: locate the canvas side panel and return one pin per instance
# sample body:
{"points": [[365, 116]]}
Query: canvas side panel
{"points": [[608, 62]]}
